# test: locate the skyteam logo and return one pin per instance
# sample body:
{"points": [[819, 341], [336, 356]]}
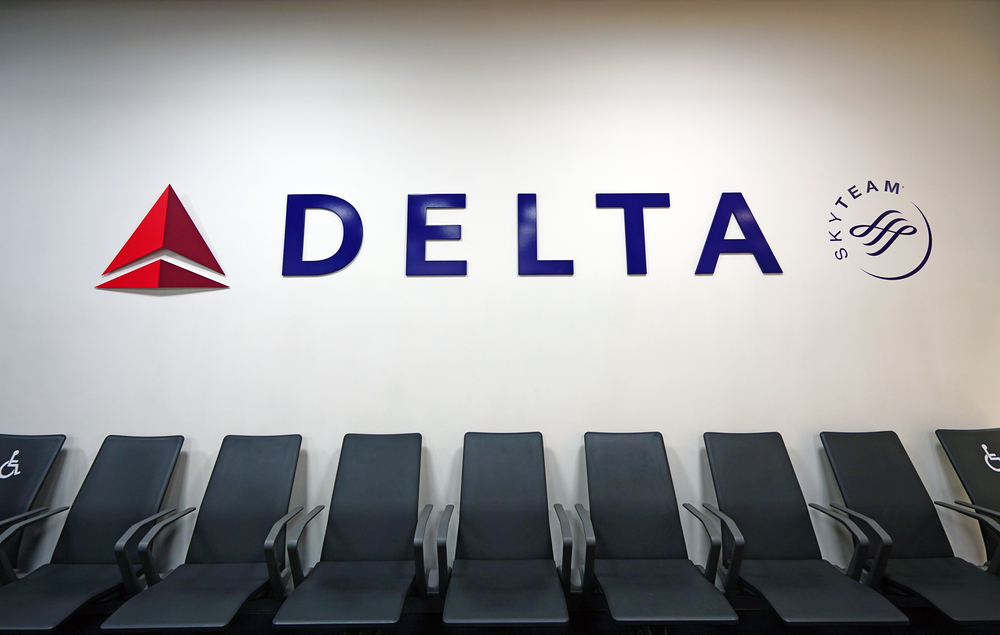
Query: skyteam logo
{"points": [[878, 229], [166, 230]]}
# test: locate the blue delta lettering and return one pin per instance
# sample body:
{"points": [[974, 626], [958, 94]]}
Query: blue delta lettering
{"points": [[418, 232]]}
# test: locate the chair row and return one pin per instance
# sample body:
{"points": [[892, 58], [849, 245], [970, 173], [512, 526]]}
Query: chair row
{"points": [[503, 570]]}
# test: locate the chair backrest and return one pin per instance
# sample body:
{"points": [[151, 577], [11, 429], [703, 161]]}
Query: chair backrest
{"points": [[756, 486], [632, 503], [247, 492], [25, 461], [975, 455], [125, 484], [373, 510], [504, 505], [877, 479]]}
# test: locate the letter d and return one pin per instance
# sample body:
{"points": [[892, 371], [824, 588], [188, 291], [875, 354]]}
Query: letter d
{"points": [[295, 235]]}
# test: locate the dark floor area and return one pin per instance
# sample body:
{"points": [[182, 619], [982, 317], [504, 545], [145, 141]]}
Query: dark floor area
{"points": [[588, 617]]}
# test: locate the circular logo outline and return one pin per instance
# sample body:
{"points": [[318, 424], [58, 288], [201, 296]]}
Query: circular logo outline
{"points": [[930, 243]]}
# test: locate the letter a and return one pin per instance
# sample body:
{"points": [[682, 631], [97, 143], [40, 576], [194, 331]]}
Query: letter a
{"points": [[753, 241]]}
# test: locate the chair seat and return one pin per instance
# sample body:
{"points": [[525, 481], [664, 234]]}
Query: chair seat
{"points": [[661, 592], [193, 596], [962, 591], [505, 593], [47, 596], [348, 594], [815, 592]]}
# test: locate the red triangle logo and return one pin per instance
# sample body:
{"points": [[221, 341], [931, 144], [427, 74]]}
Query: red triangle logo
{"points": [[167, 225], [161, 274]]}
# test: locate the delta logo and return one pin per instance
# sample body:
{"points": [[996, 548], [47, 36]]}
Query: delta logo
{"points": [[167, 229]]}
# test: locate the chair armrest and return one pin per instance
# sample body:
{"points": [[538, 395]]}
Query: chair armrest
{"points": [[7, 574], [566, 564], [26, 515], [715, 538], [418, 550], [883, 545], [860, 541], [129, 579], [146, 544], [985, 511], [294, 535], [590, 540], [274, 572], [993, 567], [731, 577], [444, 571]]}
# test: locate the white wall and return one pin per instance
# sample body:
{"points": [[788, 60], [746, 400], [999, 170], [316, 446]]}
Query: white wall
{"points": [[240, 104]]}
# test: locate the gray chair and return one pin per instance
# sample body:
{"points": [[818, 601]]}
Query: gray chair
{"points": [[504, 573], [26, 461], [911, 552], [373, 552], [232, 555], [125, 484], [770, 547], [635, 544]]}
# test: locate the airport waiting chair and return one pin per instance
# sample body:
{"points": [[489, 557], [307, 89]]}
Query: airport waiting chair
{"points": [[972, 454], [232, 555], [883, 493], [770, 545], [504, 573], [126, 483], [635, 544], [373, 551], [27, 460]]}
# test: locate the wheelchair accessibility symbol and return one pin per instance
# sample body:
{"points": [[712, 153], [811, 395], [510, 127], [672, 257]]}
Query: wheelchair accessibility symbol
{"points": [[10, 468], [992, 460]]}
